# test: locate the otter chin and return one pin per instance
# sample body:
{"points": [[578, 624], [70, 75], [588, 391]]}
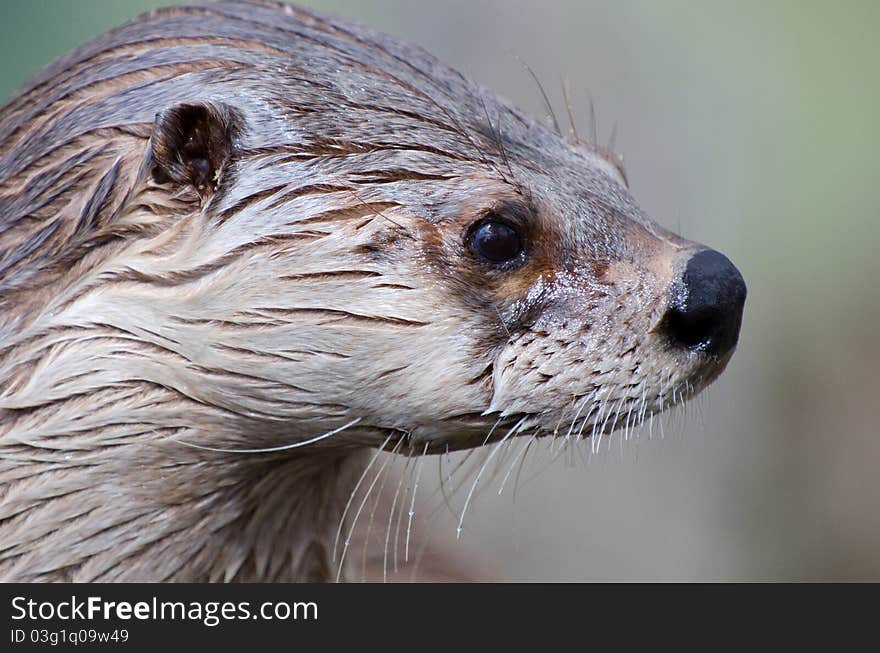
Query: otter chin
{"points": [[243, 245]]}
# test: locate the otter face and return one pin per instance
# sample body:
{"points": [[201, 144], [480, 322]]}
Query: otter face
{"points": [[460, 302], [583, 315], [283, 225], [617, 319]]}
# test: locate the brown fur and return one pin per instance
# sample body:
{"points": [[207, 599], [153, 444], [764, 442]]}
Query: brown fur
{"points": [[238, 226]]}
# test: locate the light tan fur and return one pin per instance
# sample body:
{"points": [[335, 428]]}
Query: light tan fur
{"points": [[319, 284]]}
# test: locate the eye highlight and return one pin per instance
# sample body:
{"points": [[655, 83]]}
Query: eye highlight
{"points": [[495, 242]]}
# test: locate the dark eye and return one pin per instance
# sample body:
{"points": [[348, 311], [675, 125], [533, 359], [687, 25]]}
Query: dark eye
{"points": [[496, 242]]}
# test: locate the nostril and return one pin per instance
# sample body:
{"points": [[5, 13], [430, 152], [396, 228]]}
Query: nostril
{"points": [[692, 329], [706, 304]]}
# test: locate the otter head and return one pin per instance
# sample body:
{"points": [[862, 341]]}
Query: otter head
{"points": [[378, 239], [242, 226]]}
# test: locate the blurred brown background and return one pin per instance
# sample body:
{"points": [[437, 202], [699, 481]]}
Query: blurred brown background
{"points": [[752, 127]]}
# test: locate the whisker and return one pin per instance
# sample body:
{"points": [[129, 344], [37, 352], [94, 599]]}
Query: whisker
{"points": [[522, 462], [408, 473], [356, 516], [596, 435], [505, 448], [391, 519], [626, 423], [586, 420], [612, 140], [594, 123], [563, 413], [447, 500], [543, 95], [482, 468], [413, 503], [283, 447], [354, 492], [577, 415], [522, 451], [468, 466], [373, 511], [566, 93], [465, 459], [499, 143]]}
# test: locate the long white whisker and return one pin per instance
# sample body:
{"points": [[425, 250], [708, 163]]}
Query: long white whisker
{"points": [[360, 509], [373, 511], [522, 463], [447, 500], [413, 503], [480, 473], [283, 447], [391, 519], [354, 492], [522, 451]]}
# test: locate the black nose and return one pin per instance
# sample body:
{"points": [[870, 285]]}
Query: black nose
{"points": [[706, 304]]}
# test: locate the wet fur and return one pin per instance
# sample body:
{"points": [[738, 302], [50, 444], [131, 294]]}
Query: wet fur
{"points": [[298, 269]]}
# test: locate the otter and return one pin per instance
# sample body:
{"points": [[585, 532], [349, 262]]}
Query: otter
{"points": [[243, 246]]}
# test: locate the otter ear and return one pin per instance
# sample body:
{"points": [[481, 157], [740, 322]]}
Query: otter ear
{"points": [[191, 145]]}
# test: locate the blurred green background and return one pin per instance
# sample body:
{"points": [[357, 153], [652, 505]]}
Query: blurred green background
{"points": [[752, 127]]}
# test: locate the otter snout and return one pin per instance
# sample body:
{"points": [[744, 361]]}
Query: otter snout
{"points": [[706, 303]]}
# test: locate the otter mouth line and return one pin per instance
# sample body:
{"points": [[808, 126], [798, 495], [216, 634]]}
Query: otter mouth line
{"points": [[590, 418]]}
